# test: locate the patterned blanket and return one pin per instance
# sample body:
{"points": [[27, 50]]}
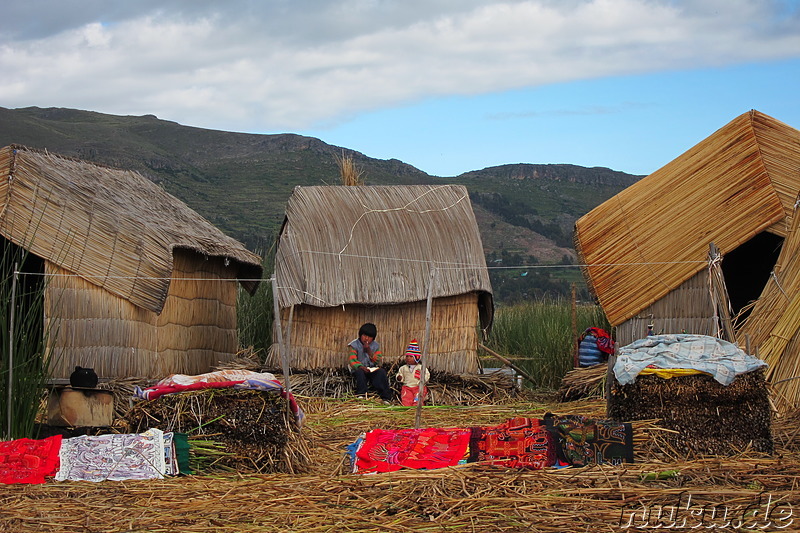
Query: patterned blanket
{"points": [[390, 450], [717, 357], [518, 443], [581, 441], [569, 440], [113, 457]]}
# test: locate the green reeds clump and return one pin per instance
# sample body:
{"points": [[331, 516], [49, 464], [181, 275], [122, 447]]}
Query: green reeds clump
{"points": [[24, 364], [540, 339], [256, 312]]}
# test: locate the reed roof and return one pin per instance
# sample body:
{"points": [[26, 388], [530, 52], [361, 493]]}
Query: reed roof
{"points": [[114, 228], [654, 235], [378, 245]]}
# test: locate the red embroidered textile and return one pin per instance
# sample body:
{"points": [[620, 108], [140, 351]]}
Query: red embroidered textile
{"points": [[517, 443], [29, 460], [430, 448]]}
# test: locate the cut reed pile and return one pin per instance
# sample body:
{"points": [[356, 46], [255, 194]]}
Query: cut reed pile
{"points": [[445, 388], [468, 498], [246, 431], [705, 417], [581, 383]]}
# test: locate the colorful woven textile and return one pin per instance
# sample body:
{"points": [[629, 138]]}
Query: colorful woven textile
{"points": [[581, 441], [113, 457], [517, 443], [390, 450], [28, 460]]}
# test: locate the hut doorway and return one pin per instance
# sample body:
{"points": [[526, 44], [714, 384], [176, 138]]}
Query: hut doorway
{"points": [[747, 269], [29, 291]]}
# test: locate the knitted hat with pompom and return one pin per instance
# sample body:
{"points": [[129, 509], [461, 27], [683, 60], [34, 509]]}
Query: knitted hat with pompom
{"points": [[413, 350]]}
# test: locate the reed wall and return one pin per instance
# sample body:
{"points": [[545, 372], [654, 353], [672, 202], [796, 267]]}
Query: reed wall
{"points": [[686, 308], [93, 328], [318, 337]]}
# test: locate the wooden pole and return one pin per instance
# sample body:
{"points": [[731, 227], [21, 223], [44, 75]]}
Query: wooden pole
{"points": [[281, 347], [9, 411], [425, 343], [574, 318], [509, 363]]}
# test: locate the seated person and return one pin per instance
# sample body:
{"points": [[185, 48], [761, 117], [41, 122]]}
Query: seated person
{"points": [[409, 375], [364, 363]]}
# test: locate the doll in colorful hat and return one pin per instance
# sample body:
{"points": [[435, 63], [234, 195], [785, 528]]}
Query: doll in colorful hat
{"points": [[409, 375]]}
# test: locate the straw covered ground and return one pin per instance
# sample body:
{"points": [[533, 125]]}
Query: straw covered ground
{"points": [[756, 491]]}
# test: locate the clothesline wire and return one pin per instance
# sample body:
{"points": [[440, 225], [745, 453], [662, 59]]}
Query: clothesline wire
{"points": [[438, 265]]}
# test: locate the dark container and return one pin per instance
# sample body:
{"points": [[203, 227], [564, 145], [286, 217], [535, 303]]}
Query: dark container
{"points": [[85, 378]]}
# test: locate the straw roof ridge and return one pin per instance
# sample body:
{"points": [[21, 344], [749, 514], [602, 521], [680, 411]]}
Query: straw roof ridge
{"points": [[98, 221], [378, 245]]}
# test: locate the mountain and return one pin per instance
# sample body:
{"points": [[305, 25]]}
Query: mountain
{"points": [[240, 182]]}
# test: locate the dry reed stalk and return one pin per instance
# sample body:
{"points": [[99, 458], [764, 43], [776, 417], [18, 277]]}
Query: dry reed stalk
{"points": [[583, 383], [349, 172]]}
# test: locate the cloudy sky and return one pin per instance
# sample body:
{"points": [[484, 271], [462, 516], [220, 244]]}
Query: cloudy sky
{"points": [[445, 85]]}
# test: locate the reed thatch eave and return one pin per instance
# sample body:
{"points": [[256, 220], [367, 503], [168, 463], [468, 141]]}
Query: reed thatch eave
{"points": [[113, 227]]}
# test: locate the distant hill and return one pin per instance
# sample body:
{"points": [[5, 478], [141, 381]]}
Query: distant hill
{"points": [[240, 182]]}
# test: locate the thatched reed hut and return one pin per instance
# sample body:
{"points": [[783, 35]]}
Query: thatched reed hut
{"points": [[646, 250], [348, 255], [137, 284]]}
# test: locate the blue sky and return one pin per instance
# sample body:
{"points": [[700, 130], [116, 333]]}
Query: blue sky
{"points": [[448, 86], [634, 124]]}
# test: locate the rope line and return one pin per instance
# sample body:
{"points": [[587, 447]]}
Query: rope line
{"points": [[457, 266]]}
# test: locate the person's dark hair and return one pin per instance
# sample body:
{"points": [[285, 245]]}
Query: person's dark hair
{"points": [[368, 329]]}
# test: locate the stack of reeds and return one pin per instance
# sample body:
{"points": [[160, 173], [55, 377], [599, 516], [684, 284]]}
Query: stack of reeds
{"points": [[256, 431], [445, 388], [581, 383], [703, 417]]}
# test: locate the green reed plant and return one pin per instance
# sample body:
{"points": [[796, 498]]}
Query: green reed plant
{"points": [[24, 363], [255, 313], [539, 337]]}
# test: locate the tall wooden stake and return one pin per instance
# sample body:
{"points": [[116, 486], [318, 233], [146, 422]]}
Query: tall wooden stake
{"points": [[9, 411], [425, 342], [284, 356]]}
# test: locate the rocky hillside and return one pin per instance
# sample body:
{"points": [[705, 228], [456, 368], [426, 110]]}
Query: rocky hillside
{"points": [[240, 182]]}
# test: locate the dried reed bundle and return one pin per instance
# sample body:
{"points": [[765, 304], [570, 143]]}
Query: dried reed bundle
{"points": [[445, 388], [253, 425], [349, 173], [704, 416], [582, 383]]}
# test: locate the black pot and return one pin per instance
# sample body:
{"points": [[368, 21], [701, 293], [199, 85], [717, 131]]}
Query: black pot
{"points": [[83, 377]]}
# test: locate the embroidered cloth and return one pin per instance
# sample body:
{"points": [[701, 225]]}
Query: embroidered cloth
{"points": [[28, 460], [114, 457], [517, 443], [389, 450]]}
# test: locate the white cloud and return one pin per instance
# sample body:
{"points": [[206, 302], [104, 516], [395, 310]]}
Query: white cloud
{"points": [[285, 66]]}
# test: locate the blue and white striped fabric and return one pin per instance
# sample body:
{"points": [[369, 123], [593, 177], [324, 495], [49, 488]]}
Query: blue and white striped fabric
{"points": [[717, 357]]}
